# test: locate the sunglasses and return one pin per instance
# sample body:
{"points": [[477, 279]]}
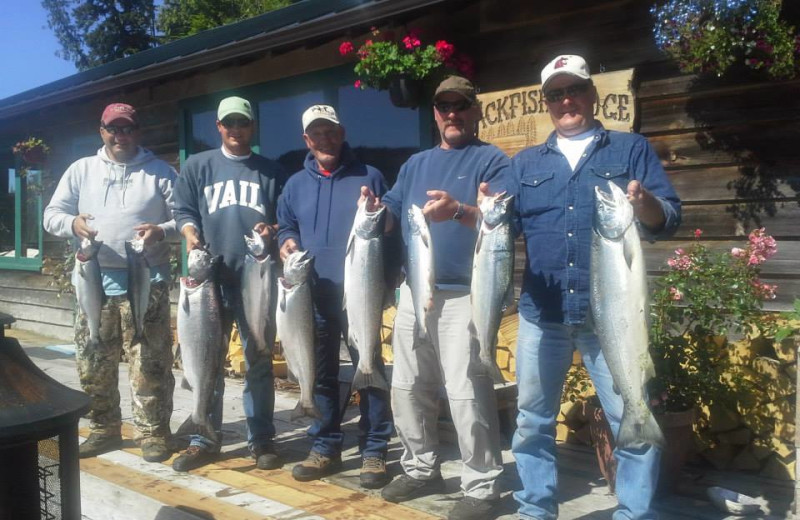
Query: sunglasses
{"points": [[124, 130], [558, 94], [236, 123], [445, 107]]}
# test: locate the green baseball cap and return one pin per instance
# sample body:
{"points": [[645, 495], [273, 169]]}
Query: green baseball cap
{"points": [[234, 105]]}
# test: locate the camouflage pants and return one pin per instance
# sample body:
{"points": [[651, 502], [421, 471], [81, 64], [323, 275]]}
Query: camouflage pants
{"points": [[150, 365]]}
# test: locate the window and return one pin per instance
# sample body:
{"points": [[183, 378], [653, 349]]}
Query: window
{"points": [[21, 220]]}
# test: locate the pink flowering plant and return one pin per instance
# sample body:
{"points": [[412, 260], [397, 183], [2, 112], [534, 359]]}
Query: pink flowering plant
{"points": [[705, 297], [383, 57], [710, 36]]}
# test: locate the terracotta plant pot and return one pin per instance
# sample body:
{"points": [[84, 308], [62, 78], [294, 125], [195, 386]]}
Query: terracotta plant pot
{"points": [[405, 92], [678, 432]]}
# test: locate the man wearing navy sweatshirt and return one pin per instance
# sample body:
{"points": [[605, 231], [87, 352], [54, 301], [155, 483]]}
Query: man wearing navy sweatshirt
{"points": [[315, 214], [445, 181], [221, 195]]}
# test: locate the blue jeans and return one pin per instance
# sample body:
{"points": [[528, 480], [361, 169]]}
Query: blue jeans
{"points": [[544, 354], [375, 424], [259, 383]]}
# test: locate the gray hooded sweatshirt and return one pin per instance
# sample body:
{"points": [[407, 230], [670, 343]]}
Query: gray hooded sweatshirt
{"points": [[119, 196]]}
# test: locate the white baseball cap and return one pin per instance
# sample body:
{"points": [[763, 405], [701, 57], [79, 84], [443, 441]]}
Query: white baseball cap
{"points": [[565, 64], [316, 112], [234, 105]]}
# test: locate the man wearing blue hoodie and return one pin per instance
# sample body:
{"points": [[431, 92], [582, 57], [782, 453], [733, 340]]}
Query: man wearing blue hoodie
{"points": [[120, 192], [315, 213]]}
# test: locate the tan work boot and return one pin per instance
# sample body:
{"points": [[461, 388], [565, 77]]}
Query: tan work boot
{"points": [[373, 473], [316, 466], [97, 444], [154, 449]]}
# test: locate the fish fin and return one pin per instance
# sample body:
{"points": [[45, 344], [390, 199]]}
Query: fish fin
{"points": [[185, 384], [633, 433], [616, 389], [282, 300], [628, 253], [649, 368], [508, 299], [185, 302], [373, 380], [478, 243], [344, 301], [190, 427]]}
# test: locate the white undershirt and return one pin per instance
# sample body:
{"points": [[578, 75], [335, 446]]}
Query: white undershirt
{"points": [[229, 155], [573, 147]]}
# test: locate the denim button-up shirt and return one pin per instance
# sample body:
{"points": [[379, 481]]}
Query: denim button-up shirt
{"points": [[554, 209]]}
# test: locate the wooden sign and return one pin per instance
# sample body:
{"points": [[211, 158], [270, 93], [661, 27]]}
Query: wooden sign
{"points": [[518, 118]]}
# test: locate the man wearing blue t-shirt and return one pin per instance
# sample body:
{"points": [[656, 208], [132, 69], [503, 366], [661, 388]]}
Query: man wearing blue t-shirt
{"points": [[445, 181]]}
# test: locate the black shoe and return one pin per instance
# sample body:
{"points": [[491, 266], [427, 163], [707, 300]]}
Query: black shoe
{"points": [[405, 488], [154, 449], [194, 457], [373, 473], [97, 444], [316, 466], [266, 457], [471, 508]]}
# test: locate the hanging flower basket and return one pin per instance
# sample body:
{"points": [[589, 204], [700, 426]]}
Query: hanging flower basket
{"points": [[32, 153], [405, 91]]}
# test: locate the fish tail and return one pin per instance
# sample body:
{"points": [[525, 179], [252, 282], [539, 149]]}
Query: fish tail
{"points": [[372, 380], [306, 410], [486, 368], [202, 428], [634, 432]]}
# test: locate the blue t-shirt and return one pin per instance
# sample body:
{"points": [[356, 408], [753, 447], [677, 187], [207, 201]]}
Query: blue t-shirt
{"points": [[459, 172]]}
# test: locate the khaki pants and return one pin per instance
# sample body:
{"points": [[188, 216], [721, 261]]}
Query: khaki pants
{"points": [[421, 367], [150, 365]]}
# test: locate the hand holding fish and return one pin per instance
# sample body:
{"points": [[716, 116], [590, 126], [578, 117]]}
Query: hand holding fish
{"points": [[288, 247], [150, 233], [373, 202], [193, 240], [645, 206], [442, 206], [483, 191], [80, 226], [266, 231]]}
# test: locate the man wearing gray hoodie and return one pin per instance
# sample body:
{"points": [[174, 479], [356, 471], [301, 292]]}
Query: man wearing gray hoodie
{"points": [[121, 193]]}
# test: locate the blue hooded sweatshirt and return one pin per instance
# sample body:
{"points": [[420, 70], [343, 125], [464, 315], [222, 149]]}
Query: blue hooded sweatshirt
{"points": [[317, 211]]}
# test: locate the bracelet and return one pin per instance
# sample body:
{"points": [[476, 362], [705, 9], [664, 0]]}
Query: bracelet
{"points": [[459, 212]]}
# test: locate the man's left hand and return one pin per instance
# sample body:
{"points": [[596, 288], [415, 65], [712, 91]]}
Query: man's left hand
{"points": [[440, 206], [151, 233], [266, 231], [646, 207]]}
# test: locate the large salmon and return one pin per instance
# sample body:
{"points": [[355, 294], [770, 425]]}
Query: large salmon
{"points": [[363, 293], [89, 286], [295, 320], [202, 341], [259, 294], [619, 311], [421, 272], [492, 277], [138, 285]]}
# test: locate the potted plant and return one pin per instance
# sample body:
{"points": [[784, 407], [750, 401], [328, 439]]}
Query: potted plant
{"points": [[31, 153], [401, 65], [711, 36]]}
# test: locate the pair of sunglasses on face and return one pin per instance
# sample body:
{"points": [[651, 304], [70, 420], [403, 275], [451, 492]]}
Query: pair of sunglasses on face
{"points": [[445, 107], [124, 130], [557, 95], [235, 123]]}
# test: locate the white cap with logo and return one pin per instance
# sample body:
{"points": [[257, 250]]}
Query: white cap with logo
{"points": [[565, 64], [319, 112]]}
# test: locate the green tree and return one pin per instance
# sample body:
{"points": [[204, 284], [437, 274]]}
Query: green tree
{"points": [[94, 32], [180, 18]]}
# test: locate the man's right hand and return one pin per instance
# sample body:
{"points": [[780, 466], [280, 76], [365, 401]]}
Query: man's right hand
{"points": [[289, 246], [80, 227], [373, 202], [192, 238]]}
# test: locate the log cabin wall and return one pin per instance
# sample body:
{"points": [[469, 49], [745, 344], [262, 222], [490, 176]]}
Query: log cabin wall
{"points": [[730, 146]]}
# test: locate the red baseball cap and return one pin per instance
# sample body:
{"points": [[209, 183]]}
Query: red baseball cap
{"points": [[116, 111]]}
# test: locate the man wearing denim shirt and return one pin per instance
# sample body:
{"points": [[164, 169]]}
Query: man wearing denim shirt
{"points": [[555, 184]]}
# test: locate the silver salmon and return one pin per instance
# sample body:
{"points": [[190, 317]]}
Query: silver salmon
{"points": [[421, 271], [363, 294], [89, 285], [138, 284], [618, 299], [202, 341], [492, 277], [259, 294], [295, 320]]}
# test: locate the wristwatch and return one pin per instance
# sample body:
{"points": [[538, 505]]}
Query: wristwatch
{"points": [[459, 211]]}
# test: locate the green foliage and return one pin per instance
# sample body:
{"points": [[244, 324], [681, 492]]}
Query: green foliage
{"points": [[382, 58], [703, 298], [32, 152], [60, 268], [710, 36], [792, 317], [94, 32], [181, 18]]}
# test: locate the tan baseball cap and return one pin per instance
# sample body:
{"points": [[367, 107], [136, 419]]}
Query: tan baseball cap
{"points": [[316, 112]]}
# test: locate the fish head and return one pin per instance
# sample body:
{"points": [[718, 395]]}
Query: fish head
{"points": [[613, 213], [297, 267], [255, 244], [88, 249], [136, 245], [495, 209], [201, 264], [416, 220], [369, 224]]}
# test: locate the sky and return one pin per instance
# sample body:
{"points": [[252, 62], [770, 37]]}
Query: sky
{"points": [[27, 48]]}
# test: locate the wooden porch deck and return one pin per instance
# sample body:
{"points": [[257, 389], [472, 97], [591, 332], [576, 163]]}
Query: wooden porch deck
{"points": [[120, 485]]}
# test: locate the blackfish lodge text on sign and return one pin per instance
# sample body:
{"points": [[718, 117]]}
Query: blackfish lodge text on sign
{"points": [[518, 118]]}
